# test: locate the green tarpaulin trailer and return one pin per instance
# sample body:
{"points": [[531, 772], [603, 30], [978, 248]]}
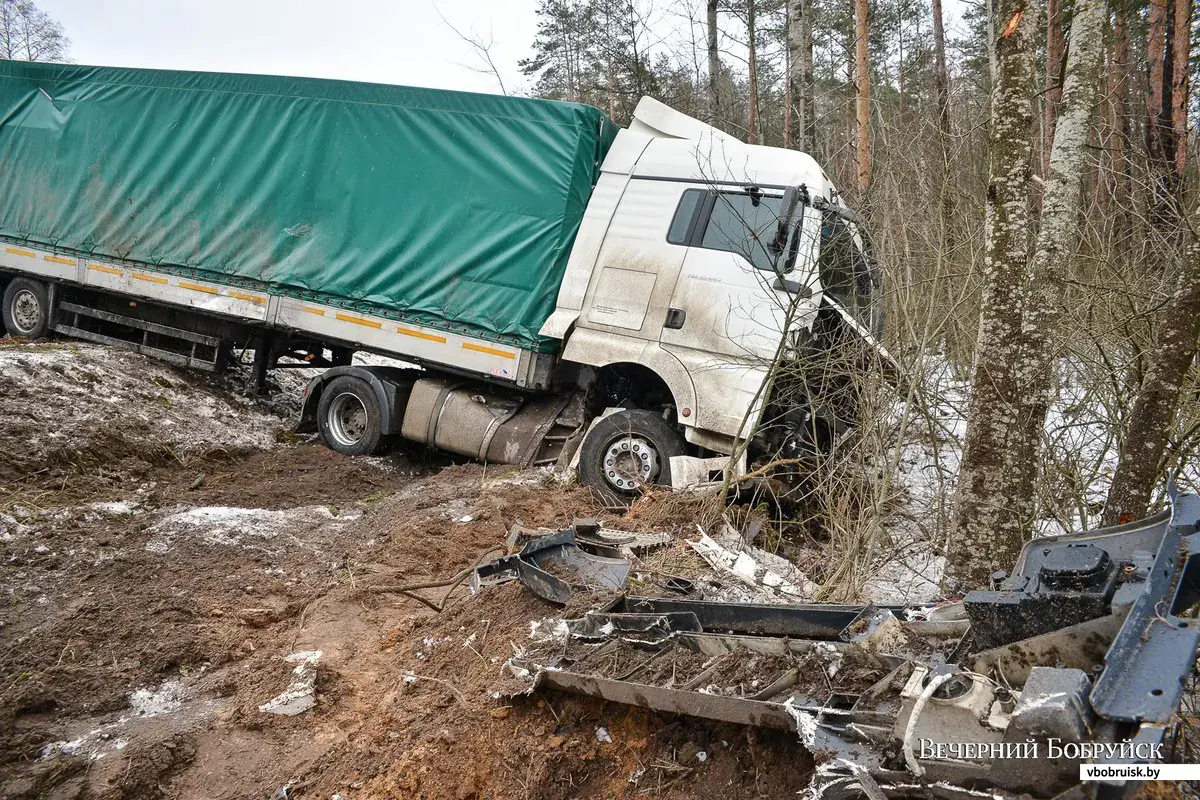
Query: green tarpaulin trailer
{"points": [[445, 209]]}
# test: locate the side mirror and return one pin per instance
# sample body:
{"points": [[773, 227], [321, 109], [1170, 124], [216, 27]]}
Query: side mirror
{"points": [[801, 290], [791, 195]]}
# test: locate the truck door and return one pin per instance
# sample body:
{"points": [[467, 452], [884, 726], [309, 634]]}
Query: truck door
{"points": [[727, 301]]}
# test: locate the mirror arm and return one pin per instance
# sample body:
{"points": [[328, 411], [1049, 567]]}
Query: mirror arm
{"points": [[801, 290]]}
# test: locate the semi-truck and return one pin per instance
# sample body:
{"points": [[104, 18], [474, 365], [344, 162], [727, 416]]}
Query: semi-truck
{"points": [[557, 289]]}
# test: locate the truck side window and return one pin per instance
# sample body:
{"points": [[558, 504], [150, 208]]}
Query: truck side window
{"points": [[743, 223], [685, 214], [841, 266]]}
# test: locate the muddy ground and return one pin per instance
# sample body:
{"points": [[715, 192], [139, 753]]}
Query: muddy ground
{"points": [[166, 543]]}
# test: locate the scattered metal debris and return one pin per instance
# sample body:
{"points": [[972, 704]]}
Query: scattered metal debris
{"points": [[537, 563], [1080, 655]]}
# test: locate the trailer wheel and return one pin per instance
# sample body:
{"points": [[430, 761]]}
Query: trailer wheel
{"points": [[349, 417], [26, 309], [627, 451]]}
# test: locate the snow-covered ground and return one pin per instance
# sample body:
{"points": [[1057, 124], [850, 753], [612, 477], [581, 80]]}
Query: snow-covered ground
{"points": [[1079, 456], [76, 390]]}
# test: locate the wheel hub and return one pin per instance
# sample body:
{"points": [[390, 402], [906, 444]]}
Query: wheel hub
{"points": [[26, 311], [630, 462], [347, 419]]}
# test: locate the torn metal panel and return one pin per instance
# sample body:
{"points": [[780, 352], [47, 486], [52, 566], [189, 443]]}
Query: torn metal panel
{"points": [[1153, 654], [814, 621], [535, 567], [1090, 634]]}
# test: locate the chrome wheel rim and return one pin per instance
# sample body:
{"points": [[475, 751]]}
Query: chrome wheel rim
{"points": [[26, 311], [630, 462], [347, 419]]}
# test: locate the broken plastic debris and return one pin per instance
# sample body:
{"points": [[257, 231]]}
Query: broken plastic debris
{"points": [[301, 695], [749, 566]]}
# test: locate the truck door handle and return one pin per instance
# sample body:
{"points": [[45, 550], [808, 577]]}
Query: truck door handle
{"points": [[675, 318]]}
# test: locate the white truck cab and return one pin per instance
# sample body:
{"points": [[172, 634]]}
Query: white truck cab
{"points": [[673, 267]]}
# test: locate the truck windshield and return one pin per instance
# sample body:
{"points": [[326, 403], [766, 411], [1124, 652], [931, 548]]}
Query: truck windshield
{"points": [[845, 270]]}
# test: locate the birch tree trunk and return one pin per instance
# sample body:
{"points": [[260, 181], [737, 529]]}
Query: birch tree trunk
{"points": [[1148, 429], [714, 63], [862, 105], [800, 88], [985, 535], [1056, 242]]}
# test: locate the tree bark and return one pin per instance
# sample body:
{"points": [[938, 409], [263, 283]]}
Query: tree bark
{"points": [[1121, 122], [1058, 235], [985, 534], [1158, 105], [941, 85], [941, 75], [1181, 49], [1052, 90], [862, 105], [752, 67], [1148, 429], [714, 64], [800, 73]]}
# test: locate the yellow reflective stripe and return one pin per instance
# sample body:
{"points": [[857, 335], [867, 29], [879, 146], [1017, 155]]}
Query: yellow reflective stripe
{"points": [[195, 287], [102, 268], [491, 351], [17, 252], [315, 311], [370, 323], [60, 260], [422, 335], [149, 278], [251, 297]]}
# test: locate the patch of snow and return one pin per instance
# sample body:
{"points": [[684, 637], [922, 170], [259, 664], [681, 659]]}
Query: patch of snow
{"points": [[154, 702], [238, 527], [117, 508]]}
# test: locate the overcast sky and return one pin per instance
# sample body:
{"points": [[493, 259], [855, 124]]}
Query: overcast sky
{"points": [[386, 41]]}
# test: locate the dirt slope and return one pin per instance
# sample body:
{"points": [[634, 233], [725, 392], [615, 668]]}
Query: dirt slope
{"points": [[166, 544]]}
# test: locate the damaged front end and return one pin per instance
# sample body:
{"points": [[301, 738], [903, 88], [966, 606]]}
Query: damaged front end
{"points": [[1079, 656]]}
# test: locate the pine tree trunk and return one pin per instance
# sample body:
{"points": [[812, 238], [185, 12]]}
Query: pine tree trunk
{"points": [[1158, 113], [714, 63], [1052, 90], [808, 125], [1148, 429], [1057, 238], [985, 535], [1182, 50], [1121, 122], [941, 75], [752, 67], [862, 105], [799, 42], [941, 85]]}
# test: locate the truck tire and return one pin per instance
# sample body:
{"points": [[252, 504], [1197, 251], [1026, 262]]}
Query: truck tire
{"points": [[26, 308], [627, 451], [349, 417]]}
